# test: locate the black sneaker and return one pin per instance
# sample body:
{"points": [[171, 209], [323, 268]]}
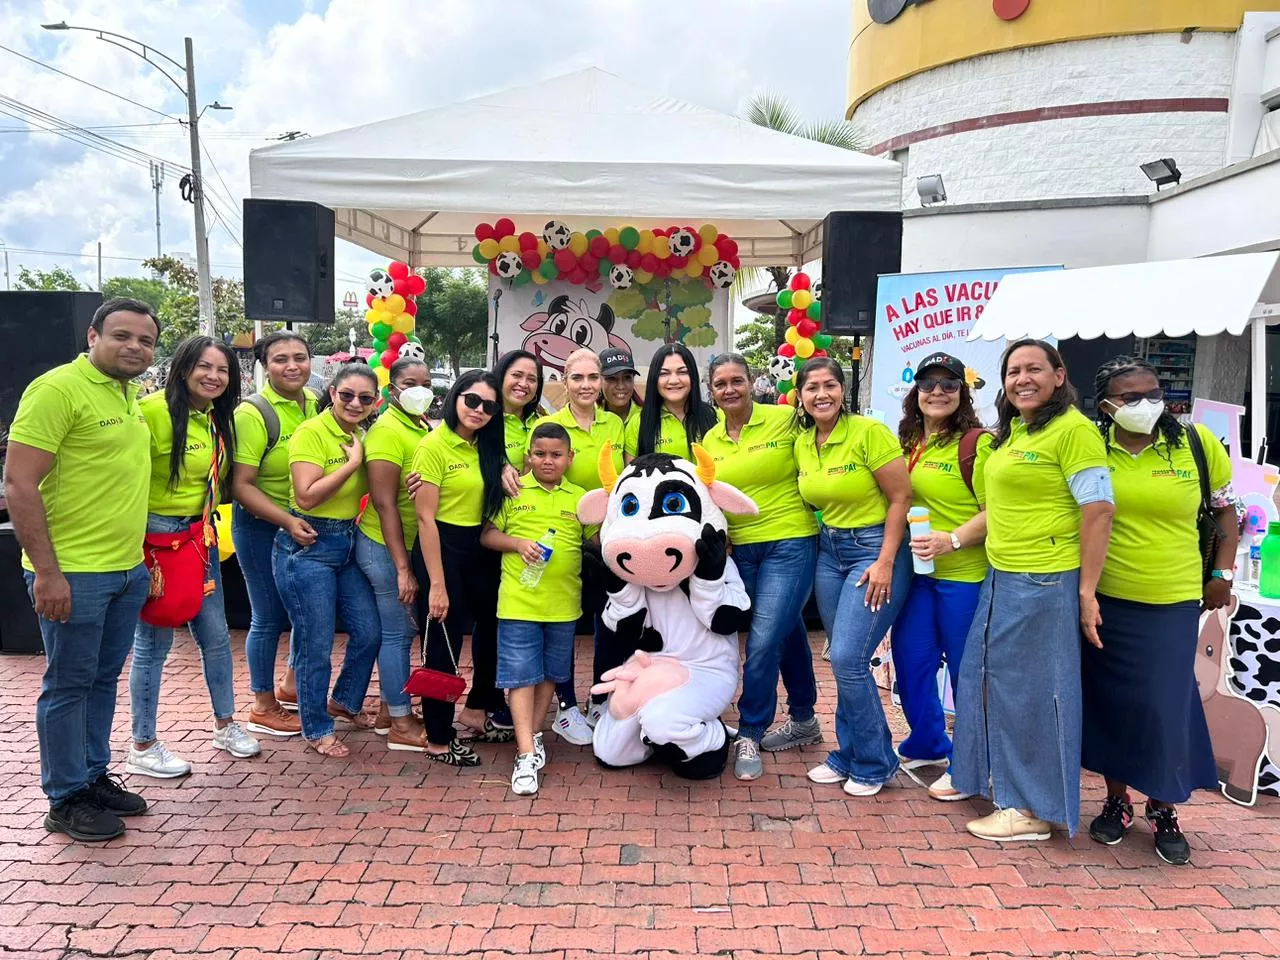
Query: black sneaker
{"points": [[1113, 822], [109, 793], [81, 818], [1171, 845]]}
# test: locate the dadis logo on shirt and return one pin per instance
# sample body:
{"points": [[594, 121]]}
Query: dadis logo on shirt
{"points": [[456, 465], [335, 461], [523, 508], [116, 422], [1027, 456]]}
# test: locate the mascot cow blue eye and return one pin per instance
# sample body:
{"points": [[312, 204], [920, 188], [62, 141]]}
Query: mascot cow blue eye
{"points": [[674, 504], [630, 505]]}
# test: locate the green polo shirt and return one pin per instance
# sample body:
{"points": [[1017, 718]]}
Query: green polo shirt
{"points": [[451, 464], [516, 432], [584, 472], [938, 485], [762, 464], [95, 495], [187, 497], [839, 479], [672, 438], [1033, 521], [251, 442], [1154, 555], [319, 441], [558, 596], [393, 438]]}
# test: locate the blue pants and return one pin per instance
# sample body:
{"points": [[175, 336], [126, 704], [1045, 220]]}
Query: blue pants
{"points": [[931, 628], [374, 561], [83, 660], [778, 576], [314, 581], [151, 648], [254, 540], [865, 752]]}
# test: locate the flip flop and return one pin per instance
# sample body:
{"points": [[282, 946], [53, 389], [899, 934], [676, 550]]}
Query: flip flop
{"points": [[491, 733], [458, 755], [330, 746]]}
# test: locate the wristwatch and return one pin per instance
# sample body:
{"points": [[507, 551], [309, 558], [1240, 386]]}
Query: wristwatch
{"points": [[955, 541], [1226, 575]]}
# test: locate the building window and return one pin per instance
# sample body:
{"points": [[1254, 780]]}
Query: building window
{"points": [[903, 156]]}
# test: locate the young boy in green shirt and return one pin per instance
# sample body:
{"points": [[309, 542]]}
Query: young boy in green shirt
{"points": [[539, 597]]}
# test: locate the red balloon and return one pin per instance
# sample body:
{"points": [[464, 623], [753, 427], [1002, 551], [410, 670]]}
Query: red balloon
{"points": [[411, 307], [484, 231], [659, 232], [818, 353], [617, 253], [727, 247], [398, 270], [396, 341], [531, 259], [649, 262], [599, 246], [800, 282], [528, 241], [679, 263], [590, 263], [794, 316], [493, 266], [565, 260], [368, 300], [697, 241], [389, 357], [504, 228], [577, 275], [786, 350], [734, 262], [401, 286], [806, 327], [783, 401], [664, 268], [417, 284], [634, 259]]}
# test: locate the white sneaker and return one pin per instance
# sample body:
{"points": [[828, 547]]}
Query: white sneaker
{"points": [[233, 739], [156, 761], [941, 789], [572, 726], [855, 789], [595, 712], [824, 774], [524, 778], [539, 751]]}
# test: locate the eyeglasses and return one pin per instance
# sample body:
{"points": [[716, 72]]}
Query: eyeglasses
{"points": [[948, 384], [365, 399], [476, 402], [1129, 399]]}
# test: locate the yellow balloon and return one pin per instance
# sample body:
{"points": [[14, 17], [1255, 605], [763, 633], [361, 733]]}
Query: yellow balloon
{"points": [[403, 324], [510, 244], [383, 375], [792, 335], [380, 305], [578, 243], [801, 299], [804, 347], [537, 277], [693, 268], [708, 255], [611, 234], [794, 397], [661, 250], [708, 232], [643, 276], [646, 242], [543, 249], [395, 305], [372, 316], [225, 545], [490, 249]]}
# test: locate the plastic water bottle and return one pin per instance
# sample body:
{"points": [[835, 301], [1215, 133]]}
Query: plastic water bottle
{"points": [[1269, 580], [1255, 558], [918, 517], [1242, 562], [531, 575]]}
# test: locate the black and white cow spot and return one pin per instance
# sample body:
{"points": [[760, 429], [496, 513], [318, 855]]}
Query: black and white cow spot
{"points": [[1254, 656]]}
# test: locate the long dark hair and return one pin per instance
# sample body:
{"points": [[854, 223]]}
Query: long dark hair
{"points": [[699, 416], [1167, 426], [178, 400], [490, 439], [1061, 400], [911, 426], [344, 372], [802, 374], [400, 366], [500, 372]]}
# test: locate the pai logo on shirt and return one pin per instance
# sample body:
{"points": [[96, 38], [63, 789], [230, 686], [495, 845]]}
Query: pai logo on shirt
{"points": [[937, 465], [568, 515], [1171, 473], [767, 445], [841, 469], [1027, 456]]}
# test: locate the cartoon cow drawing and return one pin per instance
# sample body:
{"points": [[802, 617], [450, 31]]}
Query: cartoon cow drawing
{"points": [[569, 325]]}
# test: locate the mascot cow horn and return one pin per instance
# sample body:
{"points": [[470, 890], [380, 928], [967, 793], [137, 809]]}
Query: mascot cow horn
{"points": [[675, 603]]}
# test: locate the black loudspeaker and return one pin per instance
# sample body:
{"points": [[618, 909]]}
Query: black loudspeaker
{"points": [[19, 628], [38, 331], [856, 249], [288, 261]]}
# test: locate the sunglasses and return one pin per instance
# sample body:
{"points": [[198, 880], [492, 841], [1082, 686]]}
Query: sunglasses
{"points": [[948, 384], [365, 399], [1129, 399], [476, 402]]}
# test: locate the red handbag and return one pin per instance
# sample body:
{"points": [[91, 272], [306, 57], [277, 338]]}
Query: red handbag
{"points": [[436, 684]]}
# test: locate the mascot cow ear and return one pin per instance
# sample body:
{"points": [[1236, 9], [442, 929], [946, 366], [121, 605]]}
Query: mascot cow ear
{"points": [[592, 506], [728, 498]]}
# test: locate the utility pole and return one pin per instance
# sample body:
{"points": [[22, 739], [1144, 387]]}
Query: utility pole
{"points": [[99, 266], [157, 178], [6, 267], [204, 279]]}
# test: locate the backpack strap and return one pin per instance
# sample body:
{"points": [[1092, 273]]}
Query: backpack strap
{"points": [[1202, 466], [270, 419], [968, 454]]}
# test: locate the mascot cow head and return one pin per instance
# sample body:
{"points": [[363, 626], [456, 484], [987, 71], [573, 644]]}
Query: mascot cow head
{"points": [[653, 514]]}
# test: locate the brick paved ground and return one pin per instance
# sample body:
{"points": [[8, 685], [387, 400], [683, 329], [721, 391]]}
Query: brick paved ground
{"points": [[389, 855]]}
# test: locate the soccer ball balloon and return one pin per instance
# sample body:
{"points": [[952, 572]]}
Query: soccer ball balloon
{"points": [[414, 350], [621, 276], [781, 368], [682, 243], [722, 274], [557, 234], [508, 265], [381, 284]]}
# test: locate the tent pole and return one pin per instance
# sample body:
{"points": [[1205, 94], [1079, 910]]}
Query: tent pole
{"points": [[1258, 386]]}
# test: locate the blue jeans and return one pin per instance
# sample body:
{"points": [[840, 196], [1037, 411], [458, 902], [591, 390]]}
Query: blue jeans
{"points": [[83, 660], [778, 576], [254, 539], [866, 752], [314, 581], [151, 648], [931, 628], [529, 653], [374, 560]]}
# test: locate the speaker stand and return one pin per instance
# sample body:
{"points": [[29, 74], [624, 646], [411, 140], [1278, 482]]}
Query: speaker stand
{"points": [[497, 295]]}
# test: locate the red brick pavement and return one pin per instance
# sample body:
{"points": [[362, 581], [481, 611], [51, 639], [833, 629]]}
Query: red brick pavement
{"points": [[388, 855]]}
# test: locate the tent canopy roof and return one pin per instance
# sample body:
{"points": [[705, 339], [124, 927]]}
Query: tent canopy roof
{"points": [[586, 148]]}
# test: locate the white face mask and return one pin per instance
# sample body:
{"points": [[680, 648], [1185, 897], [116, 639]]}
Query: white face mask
{"points": [[415, 400], [1138, 417]]}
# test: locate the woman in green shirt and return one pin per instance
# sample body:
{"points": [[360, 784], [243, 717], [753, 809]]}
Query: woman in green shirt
{"points": [[618, 394], [521, 377], [674, 416], [193, 440], [326, 466]]}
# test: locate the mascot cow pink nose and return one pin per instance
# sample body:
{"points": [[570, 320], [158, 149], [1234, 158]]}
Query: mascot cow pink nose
{"points": [[659, 562]]}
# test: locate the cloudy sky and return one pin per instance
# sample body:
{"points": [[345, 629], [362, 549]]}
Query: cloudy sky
{"points": [[294, 65]]}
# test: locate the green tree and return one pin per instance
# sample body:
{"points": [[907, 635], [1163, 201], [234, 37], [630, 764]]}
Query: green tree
{"points": [[755, 341], [59, 278], [151, 292], [180, 313], [453, 316], [327, 338]]}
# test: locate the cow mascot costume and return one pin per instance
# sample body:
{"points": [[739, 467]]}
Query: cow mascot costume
{"points": [[676, 603]]}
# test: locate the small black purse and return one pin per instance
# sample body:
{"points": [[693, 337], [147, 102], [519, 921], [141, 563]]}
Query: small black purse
{"points": [[1211, 534]]}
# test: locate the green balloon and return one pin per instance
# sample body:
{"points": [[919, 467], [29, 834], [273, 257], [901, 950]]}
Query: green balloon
{"points": [[522, 278], [548, 269], [629, 237], [784, 386], [375, 361], [380, 331], [784, 299], [477, 256], [592, 234], [386, 393], [814, 311], [379, 346], [604, 267], [822, 340]]}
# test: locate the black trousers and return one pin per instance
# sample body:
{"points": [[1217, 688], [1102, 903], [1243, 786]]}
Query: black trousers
{"points": [[471, 578]]}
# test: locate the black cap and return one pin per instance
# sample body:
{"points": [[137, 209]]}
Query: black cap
{"points": [[944, 360], [614, 360]]}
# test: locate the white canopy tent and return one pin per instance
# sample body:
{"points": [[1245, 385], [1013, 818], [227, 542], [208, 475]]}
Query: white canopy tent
{"points": [[1206, 296], [586, 148]]}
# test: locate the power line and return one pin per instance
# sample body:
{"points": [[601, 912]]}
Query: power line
{"points": [[92, 256], [87, 83], [231, 197], [77, 134]]}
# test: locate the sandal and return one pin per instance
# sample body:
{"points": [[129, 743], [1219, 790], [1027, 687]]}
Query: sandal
{"points": [[491, 733], [361, 721], [329, 746], [458, 755]]}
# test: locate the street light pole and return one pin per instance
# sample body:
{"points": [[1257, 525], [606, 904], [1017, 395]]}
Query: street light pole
{"points": [[203, 278]]}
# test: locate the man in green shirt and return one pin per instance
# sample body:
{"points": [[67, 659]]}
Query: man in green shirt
{"points": [[78, 436]]}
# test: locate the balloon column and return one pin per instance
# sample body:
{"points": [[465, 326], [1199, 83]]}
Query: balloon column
{"points": [[803, 341], [620, 256], [390, 317]]}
